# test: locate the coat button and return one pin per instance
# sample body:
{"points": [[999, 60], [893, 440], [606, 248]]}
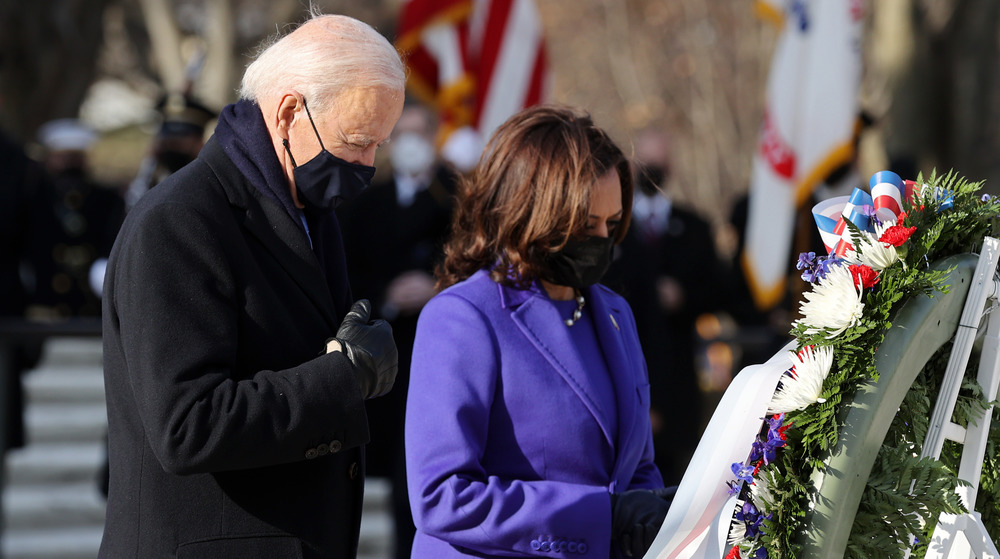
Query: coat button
{"points": [[335, 446], [354, 470], [323, 449], [311, 453]]}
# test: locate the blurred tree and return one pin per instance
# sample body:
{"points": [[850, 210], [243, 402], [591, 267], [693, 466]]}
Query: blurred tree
{"points": [[49, 52], [208, 36], [941, 80], [694, 68]]}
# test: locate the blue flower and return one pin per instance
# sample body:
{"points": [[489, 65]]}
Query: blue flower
{"points": [[825, 262], [986, 198], [744, 473], [806, 260], [814, 268], [752, 518]]}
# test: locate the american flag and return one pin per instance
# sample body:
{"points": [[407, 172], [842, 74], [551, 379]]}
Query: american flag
{"points": [[476, 61]]}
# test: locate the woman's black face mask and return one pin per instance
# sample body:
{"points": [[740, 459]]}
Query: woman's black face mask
{"points": [[326, 180], [581, 263]]}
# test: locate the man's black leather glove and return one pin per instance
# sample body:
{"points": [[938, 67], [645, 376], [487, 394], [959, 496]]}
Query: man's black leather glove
{"points": [[636, 517], [370, 348]]}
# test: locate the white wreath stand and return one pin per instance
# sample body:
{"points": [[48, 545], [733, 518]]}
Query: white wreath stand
{"points": [[964, 536]]}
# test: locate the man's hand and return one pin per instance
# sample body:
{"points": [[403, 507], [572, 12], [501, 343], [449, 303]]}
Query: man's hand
{"points": [[370, 348]]}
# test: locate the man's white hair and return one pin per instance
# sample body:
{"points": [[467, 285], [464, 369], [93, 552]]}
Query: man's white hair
{"points": [[349, 54]]}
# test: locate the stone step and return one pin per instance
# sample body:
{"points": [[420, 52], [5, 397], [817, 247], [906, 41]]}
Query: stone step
{"points": [[36, 507], [376, 536], [43, 463], [27, 507], [83, 542], [377, 493], [62, 422], [62, 543], [78, 383], [72, 351]]}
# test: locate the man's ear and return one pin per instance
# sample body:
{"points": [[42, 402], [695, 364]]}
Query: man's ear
{"points": [[288, 109]]}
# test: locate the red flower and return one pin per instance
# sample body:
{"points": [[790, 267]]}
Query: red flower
{"points": [[863, 276], [781, 431], [734, 553], [896, 235]]}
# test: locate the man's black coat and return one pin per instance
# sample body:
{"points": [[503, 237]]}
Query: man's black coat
{"points": [[230, 435]]}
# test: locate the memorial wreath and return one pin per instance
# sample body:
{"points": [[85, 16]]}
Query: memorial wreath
{"points": [[882, 243]]}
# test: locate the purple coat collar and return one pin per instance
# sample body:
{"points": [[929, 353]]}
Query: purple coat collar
{"points": [[611, 317]]}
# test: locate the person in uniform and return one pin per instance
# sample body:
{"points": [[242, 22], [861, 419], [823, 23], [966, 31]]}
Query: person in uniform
{"points": [[88, 216], [179, 138]]}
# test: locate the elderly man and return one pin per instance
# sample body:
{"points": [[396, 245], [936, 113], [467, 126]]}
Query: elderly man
{"points": [[236, 368]]}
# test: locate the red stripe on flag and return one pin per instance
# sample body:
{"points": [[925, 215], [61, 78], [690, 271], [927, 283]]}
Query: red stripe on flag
{"points": [[494, 31], [423, 78], [536, 89], [418, 14]]}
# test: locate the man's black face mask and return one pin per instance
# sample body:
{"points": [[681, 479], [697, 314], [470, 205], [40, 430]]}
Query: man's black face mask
{"points": [[326, 180]]}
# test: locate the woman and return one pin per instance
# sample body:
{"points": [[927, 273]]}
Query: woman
{"points": [[527, 422]]}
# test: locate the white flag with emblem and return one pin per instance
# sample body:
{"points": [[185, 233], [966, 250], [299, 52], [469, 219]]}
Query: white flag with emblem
{"points": [[807, 131]]}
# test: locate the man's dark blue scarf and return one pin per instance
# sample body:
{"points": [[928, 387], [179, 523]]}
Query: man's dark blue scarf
{"points": [[243, 135], [247, 142]]}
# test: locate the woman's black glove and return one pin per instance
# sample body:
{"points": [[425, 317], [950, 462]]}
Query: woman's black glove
{"points": [[636, 517], [370, 348]]}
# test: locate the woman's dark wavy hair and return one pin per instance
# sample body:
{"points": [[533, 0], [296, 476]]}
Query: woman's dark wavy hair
{"points": [[529, 194]]}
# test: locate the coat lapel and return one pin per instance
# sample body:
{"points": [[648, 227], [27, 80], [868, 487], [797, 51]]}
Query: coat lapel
{"points": [[287, 242], [609, 318], [542, 325], [284, 239]]}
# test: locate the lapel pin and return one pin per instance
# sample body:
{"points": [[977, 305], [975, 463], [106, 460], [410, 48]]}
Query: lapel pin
{"points": [[614, 322]]}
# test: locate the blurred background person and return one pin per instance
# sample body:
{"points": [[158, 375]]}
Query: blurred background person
{"points": [[25, 216], [666, 268], [88, 216], [179, 138], [393, 234]]}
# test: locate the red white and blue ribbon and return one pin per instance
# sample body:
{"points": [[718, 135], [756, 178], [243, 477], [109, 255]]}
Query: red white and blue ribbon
{"points": [[884, 201]]}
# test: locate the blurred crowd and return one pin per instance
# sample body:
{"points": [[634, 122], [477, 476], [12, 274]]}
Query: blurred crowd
{"points": [[58, 224], [696, 320]]}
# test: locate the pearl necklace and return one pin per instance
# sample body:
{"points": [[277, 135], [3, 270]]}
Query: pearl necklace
{"points": [[580, 301]]}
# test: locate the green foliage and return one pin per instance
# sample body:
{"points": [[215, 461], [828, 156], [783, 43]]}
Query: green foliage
{"points": [[905, 495], [891, 513]]}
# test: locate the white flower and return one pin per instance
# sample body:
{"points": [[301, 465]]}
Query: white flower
{"points": [[737, 532], [874, 254], [810, 367], [834, 304], [760, 491]]}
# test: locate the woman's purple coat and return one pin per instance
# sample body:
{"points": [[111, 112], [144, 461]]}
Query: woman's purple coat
{"points": [[507, 453]]}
